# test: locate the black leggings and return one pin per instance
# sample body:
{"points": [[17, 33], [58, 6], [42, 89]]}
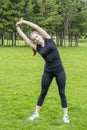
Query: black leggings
{"points": [[46, 81]]}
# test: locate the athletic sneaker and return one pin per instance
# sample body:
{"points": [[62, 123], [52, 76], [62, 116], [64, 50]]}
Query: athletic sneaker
{"points": [[66, 119], [34, 116]]}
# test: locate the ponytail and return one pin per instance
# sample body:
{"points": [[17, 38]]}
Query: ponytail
{"points": [[34, 52]]}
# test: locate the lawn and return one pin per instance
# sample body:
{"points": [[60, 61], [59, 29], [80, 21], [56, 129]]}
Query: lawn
{"points": [[20, 79]]}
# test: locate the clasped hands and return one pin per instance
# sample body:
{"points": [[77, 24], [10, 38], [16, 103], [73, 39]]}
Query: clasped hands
{"points": [[19, 22]]}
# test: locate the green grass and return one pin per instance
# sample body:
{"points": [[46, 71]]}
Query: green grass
{"points": [[20, 78]]}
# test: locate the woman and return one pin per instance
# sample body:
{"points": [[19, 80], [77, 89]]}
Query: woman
{"points": [[41, 42]]}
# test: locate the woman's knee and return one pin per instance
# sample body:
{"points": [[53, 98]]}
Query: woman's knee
{"points": [[62, 93]]}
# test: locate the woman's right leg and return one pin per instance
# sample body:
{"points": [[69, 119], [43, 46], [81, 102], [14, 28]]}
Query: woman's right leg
{"points": [[46, 81]]}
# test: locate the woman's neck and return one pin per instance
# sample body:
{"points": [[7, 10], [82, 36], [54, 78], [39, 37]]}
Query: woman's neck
{"points": [[43, 43]]}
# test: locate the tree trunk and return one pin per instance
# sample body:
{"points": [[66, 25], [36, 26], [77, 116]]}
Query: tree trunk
{"points": [[71, 38], [13, 39], [76, 39], [7, 39], [18, 41], [64, 40], [61, 40], [57, 38], [65, 32], [70, 35], [2, 38]]}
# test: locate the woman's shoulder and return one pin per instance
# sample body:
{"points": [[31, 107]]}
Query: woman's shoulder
{"points": [[48, 39]]}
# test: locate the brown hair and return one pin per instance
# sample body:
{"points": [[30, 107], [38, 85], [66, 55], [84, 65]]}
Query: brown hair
{"points": [[33, 50]]}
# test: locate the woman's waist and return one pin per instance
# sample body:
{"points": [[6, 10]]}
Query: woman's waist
{"points": [[55, 67]]}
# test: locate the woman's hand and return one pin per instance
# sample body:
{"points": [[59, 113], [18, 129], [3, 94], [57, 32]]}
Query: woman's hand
{"points": [[19, 22]]}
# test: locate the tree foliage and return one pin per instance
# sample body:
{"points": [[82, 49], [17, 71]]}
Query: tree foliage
{"points": [[60, 18]]}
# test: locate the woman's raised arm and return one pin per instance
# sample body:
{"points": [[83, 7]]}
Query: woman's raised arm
{"points": [[35, 26], [25, 38]]}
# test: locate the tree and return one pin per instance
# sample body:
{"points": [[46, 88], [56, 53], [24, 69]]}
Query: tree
{"points": [[70, 10], [78, 20], [9, 13], [58, 17]]}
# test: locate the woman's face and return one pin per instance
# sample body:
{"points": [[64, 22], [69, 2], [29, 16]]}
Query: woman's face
{"points": [[36, 38]]}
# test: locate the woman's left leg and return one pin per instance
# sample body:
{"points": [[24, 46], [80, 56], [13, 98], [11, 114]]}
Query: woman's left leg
{"points": [[61, 82]]}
